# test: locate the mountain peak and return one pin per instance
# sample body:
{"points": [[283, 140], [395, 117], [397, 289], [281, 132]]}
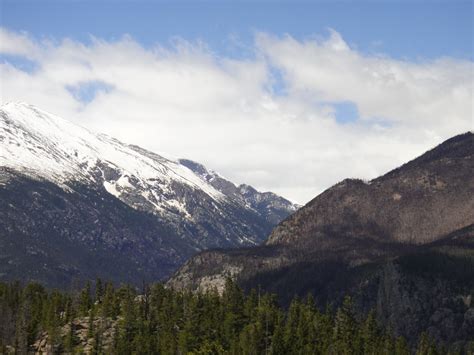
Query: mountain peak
{"points": [[458, 147], [270, 205], [398, 206], [16, 104], [48, 146]]}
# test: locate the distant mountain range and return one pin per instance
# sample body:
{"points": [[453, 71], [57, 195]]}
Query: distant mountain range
{"points": [[402, 244], [75, 204]]}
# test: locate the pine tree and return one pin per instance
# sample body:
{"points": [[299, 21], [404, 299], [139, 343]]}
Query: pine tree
{"points": [[291, 325], [127, 324], [99, 290], [96, 344], [249, 339], [52, 320], [401, 347], [70, 340], [210, 348], [108, 305], [370, 334], [278, 345], [21, 335], [344, 328], [85, 300], [387, 345], [424, 346], [233, 300], [306, 340], [323, 323]]}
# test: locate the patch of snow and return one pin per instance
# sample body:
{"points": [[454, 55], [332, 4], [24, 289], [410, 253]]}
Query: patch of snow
{"points": [[110, 188], [124, 182], [180, 207]]}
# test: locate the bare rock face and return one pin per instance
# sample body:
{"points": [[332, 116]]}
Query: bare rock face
{"points": [[378, 240], [210, 269], [78, 330]]}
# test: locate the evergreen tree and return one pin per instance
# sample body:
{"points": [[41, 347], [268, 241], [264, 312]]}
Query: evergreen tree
{"points": [[85, 300], [96, 344], [99, 290], [278, 345], [425, 346], [233, 300], [401, 347], [291, 326], [344, 328], [127, 321], [70, 340], [210, 348], [21, 336], [108, 306], [53, 319], [370, 335], [323, 323]]}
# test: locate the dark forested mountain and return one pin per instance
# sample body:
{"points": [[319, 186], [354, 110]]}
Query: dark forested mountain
{"points": [[76, 205], [402, 243]]}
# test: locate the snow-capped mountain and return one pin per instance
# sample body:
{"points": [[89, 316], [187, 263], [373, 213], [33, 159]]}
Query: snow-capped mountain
{"points": [[46, 159]]}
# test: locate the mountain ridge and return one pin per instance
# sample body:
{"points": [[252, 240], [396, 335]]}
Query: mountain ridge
{"points": [[394, 195], [47, 155]]}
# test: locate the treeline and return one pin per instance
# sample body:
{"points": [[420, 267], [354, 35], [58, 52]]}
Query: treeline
{"points": [[156, 320]]}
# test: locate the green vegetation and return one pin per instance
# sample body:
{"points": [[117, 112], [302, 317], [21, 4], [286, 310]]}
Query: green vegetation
{"points": [[104, 320]]}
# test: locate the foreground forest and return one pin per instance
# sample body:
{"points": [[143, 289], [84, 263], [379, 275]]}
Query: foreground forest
{"points": [[102, 319]]}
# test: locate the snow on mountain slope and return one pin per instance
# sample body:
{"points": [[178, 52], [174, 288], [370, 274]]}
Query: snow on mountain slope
{"points": [[47, 146], [206, 212]]}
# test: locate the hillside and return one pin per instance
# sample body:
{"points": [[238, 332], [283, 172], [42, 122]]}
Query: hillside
{"points": [[389, 242]]}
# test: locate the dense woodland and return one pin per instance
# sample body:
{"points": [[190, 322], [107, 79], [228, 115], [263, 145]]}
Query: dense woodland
{"points": [[102, 319]]}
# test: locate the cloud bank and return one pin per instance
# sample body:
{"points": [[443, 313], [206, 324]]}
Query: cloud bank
{"points": [[271, 120]]}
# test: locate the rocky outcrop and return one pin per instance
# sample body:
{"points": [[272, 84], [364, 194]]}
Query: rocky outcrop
{"points": [[78, 331]]}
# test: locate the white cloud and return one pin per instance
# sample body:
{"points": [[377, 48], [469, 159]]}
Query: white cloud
{"points": [[394, 90], [14, 43], [188, 102]]}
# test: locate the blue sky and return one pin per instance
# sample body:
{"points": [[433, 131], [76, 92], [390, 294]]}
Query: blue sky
{"points": [[289, 97], [401, 29]]}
